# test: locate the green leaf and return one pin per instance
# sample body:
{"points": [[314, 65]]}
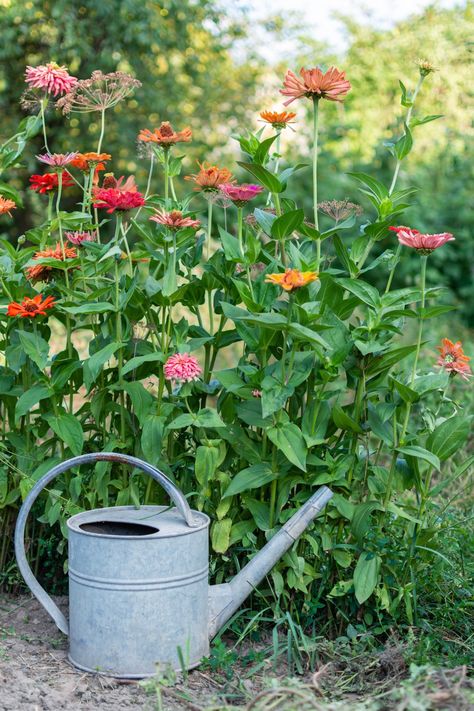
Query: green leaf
{"points": [[262, 151], [206, 462], [136, 362], [449, 436], [68, 429], [264, 176], [283, 226], [421, 453], [250, 478], [35, 347], [376, 188], [406, 393], [384, 362], [365, 292], [231, 246], [265, 220], [405, 99], [182, 421], [260, 512], [404, 144], [220, 535], [344, 421], [152, 437], [30, 398], [361, 521], [90, 308], [142, 400], [366, 575], [94, 364], [427, 119], [207, 417], [170, 280], [289, 440]]}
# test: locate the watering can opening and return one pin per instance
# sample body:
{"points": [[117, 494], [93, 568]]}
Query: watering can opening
{"points": [[120, 529]]}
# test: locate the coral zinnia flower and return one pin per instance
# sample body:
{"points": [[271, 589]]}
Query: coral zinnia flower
{"points": [[292, 279], [49, 181], [423, 243], [86, 161], [182, 367], [29, 308], [78, 237], [118, 198], [165, 136], [58, 160], [43, 272], [6, 205], [240, 194], [277, 119], [210, 177], [331, 85], [174, 220], [51, 77], [453, 359]]}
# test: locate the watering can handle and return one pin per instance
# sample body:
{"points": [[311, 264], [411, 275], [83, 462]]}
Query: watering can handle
{"points": [[175, 494]]}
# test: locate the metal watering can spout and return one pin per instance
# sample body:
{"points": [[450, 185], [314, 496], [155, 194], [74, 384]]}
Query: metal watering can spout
{"points": [[225, 599]]}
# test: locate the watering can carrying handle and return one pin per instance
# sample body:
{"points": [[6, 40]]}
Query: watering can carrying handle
{"points": [[175, 494]]}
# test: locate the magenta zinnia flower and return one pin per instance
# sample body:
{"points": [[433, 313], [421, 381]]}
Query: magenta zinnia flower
{"points": [[240, 194], [182, 367], [51, 77], [78, 237], [174, 220], [57, 160], [423, 243]]}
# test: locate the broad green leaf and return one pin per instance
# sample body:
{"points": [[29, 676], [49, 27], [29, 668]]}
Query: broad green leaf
{"points": [[264, 176], [94, 364], [231, 246], [152, 437], [30, 398], [421, 453], [404, 144], [136, 362], [68, 429], [265, 220], [182, 421], [361, 521], [365, 292], [250, 478], [366, 575], [386, 361], [405, 392], [449, 436], [284, 225], [375, 186], [35, 347], [142, 400], [170, 280], [344, 421], [206, 461], [90, 308], [220, 535], [260, 512], [289, 440], [207, 417]]}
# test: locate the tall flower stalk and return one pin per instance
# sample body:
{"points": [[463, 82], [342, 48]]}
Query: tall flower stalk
{"points": [[315, 176]]}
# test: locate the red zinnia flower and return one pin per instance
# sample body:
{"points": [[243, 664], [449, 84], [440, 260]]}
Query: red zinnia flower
{"points": [[117, 198], [29, 308], [174, 220], [43, 272], [49, 181], [423, 243], [331, 85], [182, 367], [453, 359]]}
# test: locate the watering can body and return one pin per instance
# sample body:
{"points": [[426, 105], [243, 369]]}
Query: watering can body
{"points": [[138, 579]]}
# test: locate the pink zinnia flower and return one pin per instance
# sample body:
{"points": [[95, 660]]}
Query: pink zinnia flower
{"points": [[182, 367], [423, 243], [174, 220], [51, 77], [113, 199], [453, 359], [331, 85], [78, 237], [57, 160], [240, 194], [257, 393]]}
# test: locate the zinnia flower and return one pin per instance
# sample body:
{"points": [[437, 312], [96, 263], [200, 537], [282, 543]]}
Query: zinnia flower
{"points": [[49, 181], [118, 198], [423, 243], [277, 119], [210, 177], [453, 359], [78, 237], [425, 67], [182, 367], [257, 393], [58, 160], [291, 279], [165, 136], [29, 308], [85, 161], [43, 272], [51, 77], [240, 194], [6, 205], [331, 85], [174, 220], [100, 92]]}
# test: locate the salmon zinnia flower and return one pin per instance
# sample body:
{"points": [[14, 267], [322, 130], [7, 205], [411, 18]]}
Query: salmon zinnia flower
{"points": [[277, 119], [331, 85], [210, 177], [49, 181], [423, 243], [165, 136], [240, 194], [6, 205], [51, 77], [453, 359], [29, 308], [44, 272], [182, 367], [174, 220], [291, 279]]}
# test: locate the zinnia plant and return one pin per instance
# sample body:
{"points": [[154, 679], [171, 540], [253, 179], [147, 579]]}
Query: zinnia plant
{"points": [[216, 330]]}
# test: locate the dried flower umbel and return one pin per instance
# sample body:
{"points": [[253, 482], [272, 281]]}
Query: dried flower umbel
{"points": [[99, 93], [339, 210]]}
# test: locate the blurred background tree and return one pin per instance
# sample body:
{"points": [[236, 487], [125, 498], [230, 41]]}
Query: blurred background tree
{"points": [[200, 65]]}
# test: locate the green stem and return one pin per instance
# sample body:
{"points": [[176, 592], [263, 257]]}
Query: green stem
{"points": [[43, 122], [166, 168], [209, 230], [102, 130], [315, 176], [285, 338]]}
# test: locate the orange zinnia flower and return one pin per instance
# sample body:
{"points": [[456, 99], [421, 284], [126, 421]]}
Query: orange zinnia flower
{"points": [[210, 177], [292, 279], [331, 85], [278, 119], [453, 359], [165, 136], [86, 161], [43, 272], [29, 308], [6, 205]]}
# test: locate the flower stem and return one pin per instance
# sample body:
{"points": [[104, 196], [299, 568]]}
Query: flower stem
{"points": [[209, 230], [315, 176], [102, 130], [424, 260], [43, 122], [167, 158]]}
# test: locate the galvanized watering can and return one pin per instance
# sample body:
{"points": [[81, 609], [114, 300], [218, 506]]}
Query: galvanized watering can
{"points": [[138, 578]]}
